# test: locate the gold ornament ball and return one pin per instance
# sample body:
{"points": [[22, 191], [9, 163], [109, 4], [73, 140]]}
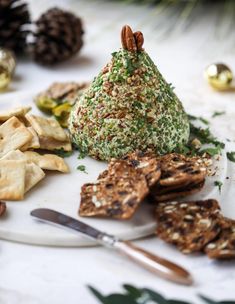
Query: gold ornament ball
{"points": [[7, 67], [5, 78], [219, 76]]}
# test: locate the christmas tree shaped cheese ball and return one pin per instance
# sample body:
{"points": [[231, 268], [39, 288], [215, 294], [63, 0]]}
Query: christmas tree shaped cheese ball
{"points": [[128, 106]]}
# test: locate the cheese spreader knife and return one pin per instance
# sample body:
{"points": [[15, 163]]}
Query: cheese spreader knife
{"points": [[158, 265]]}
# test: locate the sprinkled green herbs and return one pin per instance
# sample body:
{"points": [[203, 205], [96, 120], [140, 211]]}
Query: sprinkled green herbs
{"points": [[62, 153], [81, 154], [217, 113], [192, 117], [130, 87], [218, 184], [231, 156], [82, 168], [202, 136]]}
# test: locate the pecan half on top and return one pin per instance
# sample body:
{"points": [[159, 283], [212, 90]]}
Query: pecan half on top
{"points": [[131, 41]]}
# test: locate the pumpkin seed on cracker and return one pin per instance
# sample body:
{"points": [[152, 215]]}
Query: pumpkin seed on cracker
{"points": [[188, 225], [223, 247], [178, 169]]}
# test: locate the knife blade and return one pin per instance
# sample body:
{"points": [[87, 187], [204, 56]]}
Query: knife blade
{"points": [[156, 264]]}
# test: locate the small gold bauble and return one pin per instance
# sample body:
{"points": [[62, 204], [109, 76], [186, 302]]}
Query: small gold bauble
{"points": [[7, 67], [5, 78], [219, 76]]}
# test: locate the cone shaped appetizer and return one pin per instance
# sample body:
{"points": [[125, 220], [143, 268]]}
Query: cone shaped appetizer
{"points": [[128, 106]]}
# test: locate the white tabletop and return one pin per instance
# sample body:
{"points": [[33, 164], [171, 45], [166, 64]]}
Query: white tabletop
{"points": [[43, 275]]}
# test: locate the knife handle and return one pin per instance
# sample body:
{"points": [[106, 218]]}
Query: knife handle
{"points": [[154, 263]]}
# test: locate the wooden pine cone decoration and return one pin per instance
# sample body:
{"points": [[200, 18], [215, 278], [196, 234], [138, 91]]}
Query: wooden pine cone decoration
{"points": [[14, 15], [57, 37]]}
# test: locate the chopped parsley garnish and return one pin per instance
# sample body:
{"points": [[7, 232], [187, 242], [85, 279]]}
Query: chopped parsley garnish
{"points": [[218, 184], [192, 117], [82, 168], [204, 136], [81, 154], [217, 113], [231, 156], [62, 153]]}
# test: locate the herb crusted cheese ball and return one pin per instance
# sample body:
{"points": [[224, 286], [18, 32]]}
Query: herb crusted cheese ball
{"points": [[128, 106]]}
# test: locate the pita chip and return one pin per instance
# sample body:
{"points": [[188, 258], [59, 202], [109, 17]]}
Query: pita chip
{"points": [[18, 112], [12, 179], [13, 135], [47, 161], [33, 173]]}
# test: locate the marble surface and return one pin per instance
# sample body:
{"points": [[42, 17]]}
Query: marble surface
{"points": [[43, 275]]}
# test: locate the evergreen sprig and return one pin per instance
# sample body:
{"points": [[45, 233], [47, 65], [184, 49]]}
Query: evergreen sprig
{"points": [[134, 295]]}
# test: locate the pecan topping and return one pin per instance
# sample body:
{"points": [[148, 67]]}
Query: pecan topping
{"points": [[131, 41], [2, 208], [139, 39]]}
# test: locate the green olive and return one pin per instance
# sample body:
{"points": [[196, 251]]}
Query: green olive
{"points": [[61, 113], [46, 104]]}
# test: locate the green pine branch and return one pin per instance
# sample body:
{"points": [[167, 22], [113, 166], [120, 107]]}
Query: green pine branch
{"points": [[134, 295]]}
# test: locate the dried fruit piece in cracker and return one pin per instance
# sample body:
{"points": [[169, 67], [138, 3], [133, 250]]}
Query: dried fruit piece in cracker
{"points": [[178, 169], [19, 112], [12, 179], [33, 173], [47, 161], [117, 196], [3, 208], [223, 247], [146, 164], [188, 225], [13, 135]]}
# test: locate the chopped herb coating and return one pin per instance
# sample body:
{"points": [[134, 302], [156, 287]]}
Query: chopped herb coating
{"points": [[129, 106]]}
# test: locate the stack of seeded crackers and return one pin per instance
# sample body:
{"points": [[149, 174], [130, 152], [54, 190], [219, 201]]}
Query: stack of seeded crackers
{"points": [[191, 226], [21, 167], [121, 188]]}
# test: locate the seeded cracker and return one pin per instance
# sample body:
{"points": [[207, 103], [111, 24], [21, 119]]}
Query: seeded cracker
{"points": [[63, 91], [188, 225], [147, 164], [164, 194], [223, 247], [178, 169], [144, 163], [117, 196]]}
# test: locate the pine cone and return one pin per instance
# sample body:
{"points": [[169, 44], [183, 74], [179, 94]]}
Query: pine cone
{"points": [[13, 16], [57, 37]]}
